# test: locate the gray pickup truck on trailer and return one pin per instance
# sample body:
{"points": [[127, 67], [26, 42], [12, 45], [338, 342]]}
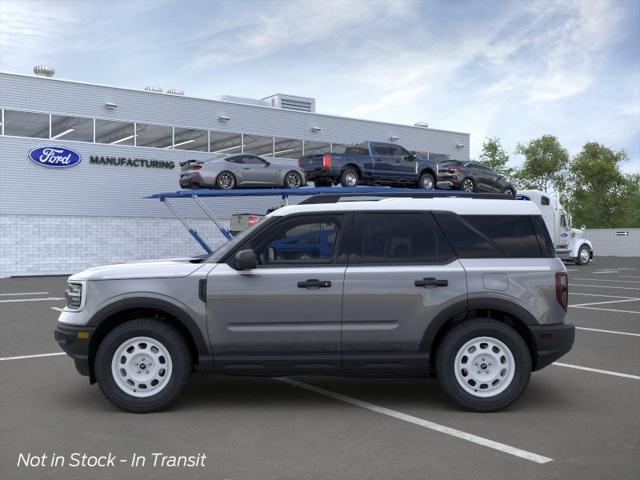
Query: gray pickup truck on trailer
{"points": [[464, 289]]}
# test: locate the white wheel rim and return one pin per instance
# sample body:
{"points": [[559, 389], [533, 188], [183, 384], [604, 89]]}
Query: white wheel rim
{"points": [[584, 255], [351, 179], [484, 367], [141, 367]]}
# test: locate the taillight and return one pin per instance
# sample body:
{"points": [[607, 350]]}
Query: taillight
{"points": [[454, 170], [299, 163], [562, 289], [326, 161], [196, 167]]}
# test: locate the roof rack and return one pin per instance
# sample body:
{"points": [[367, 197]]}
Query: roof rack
{"points": [[339, 197]]}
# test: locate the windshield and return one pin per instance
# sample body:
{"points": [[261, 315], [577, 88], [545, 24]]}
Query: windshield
{"points": [[226, 247]]}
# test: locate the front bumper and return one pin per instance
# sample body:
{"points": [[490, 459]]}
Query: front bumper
{"points": [[552, 342], [75, 340]]}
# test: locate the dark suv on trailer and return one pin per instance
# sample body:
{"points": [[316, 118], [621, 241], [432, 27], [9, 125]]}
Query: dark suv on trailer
{"points": [[468, 290], [472, 177]]}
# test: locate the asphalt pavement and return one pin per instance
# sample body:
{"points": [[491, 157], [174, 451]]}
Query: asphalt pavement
{"points": [[579, 418]]}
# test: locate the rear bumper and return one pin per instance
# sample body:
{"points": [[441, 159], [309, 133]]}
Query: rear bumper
{"points": [[188, 180], [449, 181], [552, 342], [75, 340]]}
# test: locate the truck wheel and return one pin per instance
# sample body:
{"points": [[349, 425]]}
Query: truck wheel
{"points": [[468, 185], [584, 255], [426, 181], [143, 365], [483, 365], [225, 180], [349, 178]]}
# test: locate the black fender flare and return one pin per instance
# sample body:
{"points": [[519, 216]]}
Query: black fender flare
{"points": [[205, 357]]}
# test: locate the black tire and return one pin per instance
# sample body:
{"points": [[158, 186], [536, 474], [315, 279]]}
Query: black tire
{"points": [[427, 181], [349, 178], [180, 361], [225, 180], [584, 255], [510, 191], [289, 180], [451, 346], [468, 185]]}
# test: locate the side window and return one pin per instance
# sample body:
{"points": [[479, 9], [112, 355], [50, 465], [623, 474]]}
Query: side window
{"points": [[399, 238], [398, 151], [238, 159], [544, 201], [467, 241], [304, 241], [544, 239], [250, 159], [382, 149], [513, 234]]}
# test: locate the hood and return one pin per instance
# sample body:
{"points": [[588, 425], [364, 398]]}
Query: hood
{"points": [[171, 268]]}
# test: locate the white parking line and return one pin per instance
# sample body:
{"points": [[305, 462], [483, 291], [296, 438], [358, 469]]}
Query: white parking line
{"points": [[22, 357], [603, 286], [57, 309], [608, 331], [596, 370], [32, 299], [596, 295], [607, 280], [22, 293], [610, 310], [485, 442], [632, 299]]}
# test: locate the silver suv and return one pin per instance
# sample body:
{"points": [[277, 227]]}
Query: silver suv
{"points": [[464, 289]]}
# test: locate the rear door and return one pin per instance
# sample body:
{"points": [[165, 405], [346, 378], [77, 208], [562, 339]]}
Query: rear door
{"points": [[402, 273]]}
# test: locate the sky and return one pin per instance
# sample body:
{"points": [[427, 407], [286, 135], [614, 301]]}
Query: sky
{"points": [[509, 69]]}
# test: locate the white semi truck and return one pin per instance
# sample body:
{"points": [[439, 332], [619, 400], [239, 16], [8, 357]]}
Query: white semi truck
{"points": [[569, 242]]}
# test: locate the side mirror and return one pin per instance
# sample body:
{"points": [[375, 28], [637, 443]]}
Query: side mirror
{"points": [[411, 156], [583, 227], [245, 260]]}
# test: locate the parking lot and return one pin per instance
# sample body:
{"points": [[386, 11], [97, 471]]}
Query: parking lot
{"points": [[579, 418]]}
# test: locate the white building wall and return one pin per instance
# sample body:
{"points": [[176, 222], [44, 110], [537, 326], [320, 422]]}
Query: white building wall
{"points": [[608, 242]]}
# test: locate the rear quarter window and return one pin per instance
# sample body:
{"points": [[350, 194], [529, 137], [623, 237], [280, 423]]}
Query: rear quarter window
{"points": [[493, 236]]}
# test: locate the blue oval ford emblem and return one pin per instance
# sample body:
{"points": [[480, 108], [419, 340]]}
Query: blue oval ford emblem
{"points": [[55, 157]]}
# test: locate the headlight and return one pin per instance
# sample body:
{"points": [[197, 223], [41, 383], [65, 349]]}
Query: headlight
{"points": [[73, 294]]}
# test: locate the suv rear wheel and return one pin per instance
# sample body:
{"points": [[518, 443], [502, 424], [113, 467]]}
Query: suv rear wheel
{"points": [[143, 365], [483, 365], [468, 185]]}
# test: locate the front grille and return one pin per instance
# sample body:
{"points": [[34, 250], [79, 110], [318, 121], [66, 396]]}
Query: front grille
{"points": [[73, 294]]}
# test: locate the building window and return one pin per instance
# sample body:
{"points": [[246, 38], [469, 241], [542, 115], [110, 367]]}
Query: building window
{"points": [[258, 145], [71, 128], [287, 148], [191, 139], [157, 136], [26, 124], [225, 143], [316, 148], [115, 133]]}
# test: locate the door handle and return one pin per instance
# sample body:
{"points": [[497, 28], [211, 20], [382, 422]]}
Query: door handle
{"points": [[314, 283], [431, 282]]}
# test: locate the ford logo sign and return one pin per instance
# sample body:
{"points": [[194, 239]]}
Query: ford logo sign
{"points": [[55, 157]]}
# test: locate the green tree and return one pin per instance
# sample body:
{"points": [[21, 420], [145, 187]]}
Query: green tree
{"points": [[598, 192], [545, 164], [631, 211], [495, 157]]}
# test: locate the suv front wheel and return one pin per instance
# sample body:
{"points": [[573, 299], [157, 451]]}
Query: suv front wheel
{"points": [[143, 365], [483, 365]]}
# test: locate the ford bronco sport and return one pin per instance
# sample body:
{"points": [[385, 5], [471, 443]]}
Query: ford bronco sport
{"points": [[464, 289]]}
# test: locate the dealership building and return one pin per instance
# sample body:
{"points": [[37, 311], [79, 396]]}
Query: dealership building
{"points": [[127, 144]]}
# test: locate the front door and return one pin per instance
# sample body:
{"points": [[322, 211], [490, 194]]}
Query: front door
{"points": [[257, 171], [285, 315], [401, 275]]}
